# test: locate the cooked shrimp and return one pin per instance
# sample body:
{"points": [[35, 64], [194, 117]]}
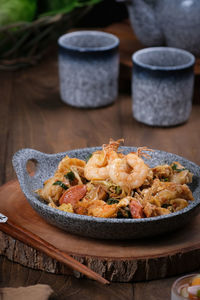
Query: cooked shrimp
{"points": [[97, 166], [51, 192], [114, 185], [180, 174], [129, 172], [67, 163], [67, 207], [151, 210], [124, 201], [96, 208], [162, 171], [75, 165], [163, 192], [149, 179], [99, 208], [182, 177], [178, 204]]}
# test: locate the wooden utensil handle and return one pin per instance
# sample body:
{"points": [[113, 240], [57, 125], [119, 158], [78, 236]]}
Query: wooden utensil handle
{"points": [[36, 242]]}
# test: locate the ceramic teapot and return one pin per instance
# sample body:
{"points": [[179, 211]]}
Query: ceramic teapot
{"points": [[174, 23]]}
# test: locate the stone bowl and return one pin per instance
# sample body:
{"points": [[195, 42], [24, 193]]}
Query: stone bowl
{"points": [[101, 228]]}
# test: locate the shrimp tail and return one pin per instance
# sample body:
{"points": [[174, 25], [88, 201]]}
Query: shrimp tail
{"points": [[140, 152], [113, 145]]}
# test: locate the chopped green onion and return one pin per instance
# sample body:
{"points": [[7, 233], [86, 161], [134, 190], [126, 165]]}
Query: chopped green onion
{"points": [[166, 179], [124, 214], [198, 293], [61, 184], [174, 167], [70, 175], [119, 215], [128, 213], [118, 190], [165, 205], [112, 201]]}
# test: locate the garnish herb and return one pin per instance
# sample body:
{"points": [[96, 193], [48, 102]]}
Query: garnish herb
{"points": [[165, 205], [119, 215], [166, 179], [88, 157], [127, 210], [112, 201], [70, 175], [61, 184], [124, 214], [118, 190], [174, 167], [198, 293]]}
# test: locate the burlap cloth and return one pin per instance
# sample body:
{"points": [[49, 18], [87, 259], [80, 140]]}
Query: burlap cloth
{"points": [[32, 292]]}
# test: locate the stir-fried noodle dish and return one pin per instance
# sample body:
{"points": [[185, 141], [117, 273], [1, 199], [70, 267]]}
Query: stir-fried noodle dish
{"points": [[111, 184]]}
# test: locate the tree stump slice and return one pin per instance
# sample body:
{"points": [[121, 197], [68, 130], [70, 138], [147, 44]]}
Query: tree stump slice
{"points": [[117, 261]]}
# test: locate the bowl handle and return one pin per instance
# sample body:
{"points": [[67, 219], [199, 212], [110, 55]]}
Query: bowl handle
{"points": [[21, 158]]}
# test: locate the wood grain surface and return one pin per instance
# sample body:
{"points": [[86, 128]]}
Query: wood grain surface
{"points": [[32, 115]]}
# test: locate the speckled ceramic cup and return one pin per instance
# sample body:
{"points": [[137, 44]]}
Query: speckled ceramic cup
{"points": [[162, 85], [88, 68]]}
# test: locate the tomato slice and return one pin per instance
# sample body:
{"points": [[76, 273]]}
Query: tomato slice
{"points": [[73, 194], [136, 209]]}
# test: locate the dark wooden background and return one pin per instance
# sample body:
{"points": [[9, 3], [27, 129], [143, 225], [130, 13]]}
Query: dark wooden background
{"points": [[105, 13], [32, 115]]}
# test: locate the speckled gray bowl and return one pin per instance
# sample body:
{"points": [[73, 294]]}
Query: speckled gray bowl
{"points": [[100, 227], [88, 68], [162, 86]]}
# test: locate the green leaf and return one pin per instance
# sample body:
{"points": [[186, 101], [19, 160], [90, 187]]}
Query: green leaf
{"points": [[62, 10], [120, 215], [61, 184], [175, 168], [124, 214], [12, 11], [166, 205], [111, 201], [70, 175], [87, 3], [54, 7], [129, 214], [118, 190], [198, 293]]}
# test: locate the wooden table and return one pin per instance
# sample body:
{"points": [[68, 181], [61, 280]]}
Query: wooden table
{"points": [[32, 115]]}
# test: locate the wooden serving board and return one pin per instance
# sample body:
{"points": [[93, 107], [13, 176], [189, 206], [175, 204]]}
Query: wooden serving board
{"points": [[123, 261]]}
